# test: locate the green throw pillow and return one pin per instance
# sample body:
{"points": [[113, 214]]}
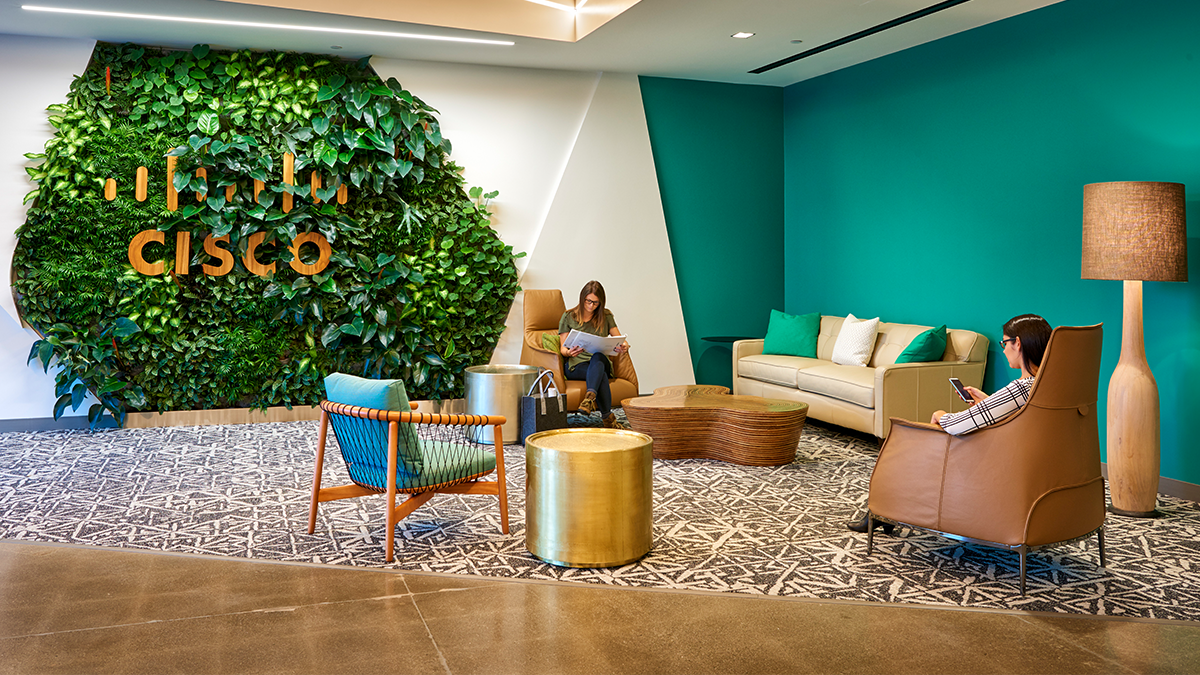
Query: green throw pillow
{"points": [[926, 347], [792, 334], [356, 436], [550, 342]]}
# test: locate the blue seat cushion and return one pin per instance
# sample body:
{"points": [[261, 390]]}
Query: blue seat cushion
{"points": [[444, 463]]}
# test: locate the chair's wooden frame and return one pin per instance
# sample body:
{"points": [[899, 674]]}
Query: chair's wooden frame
{"points": [[417, 496]]}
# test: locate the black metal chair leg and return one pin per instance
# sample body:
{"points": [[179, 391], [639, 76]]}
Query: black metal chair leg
{"points": [[870, 531], [1100, 537], [1024, 550]]}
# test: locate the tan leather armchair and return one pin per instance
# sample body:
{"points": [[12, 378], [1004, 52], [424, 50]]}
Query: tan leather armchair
{"points": [[1029, 481], [543, 309]]}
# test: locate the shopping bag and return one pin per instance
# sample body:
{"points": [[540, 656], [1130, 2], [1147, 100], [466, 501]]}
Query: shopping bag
{"points": [[543, 407]]}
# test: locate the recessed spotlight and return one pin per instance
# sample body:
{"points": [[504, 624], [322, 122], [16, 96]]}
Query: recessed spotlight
{"points": [[796, 42], [742, 35], [257, 24], [335, 46]]}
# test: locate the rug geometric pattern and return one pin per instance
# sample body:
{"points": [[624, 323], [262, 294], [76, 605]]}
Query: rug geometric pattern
{"points": [[243, 491]]}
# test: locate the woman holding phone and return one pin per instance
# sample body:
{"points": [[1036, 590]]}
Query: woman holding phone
{"points": [[590, 316], [1023, 344]]}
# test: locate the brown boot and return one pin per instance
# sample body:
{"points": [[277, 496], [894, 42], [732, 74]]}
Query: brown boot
{"points": [[611, 422], [588, 404]]}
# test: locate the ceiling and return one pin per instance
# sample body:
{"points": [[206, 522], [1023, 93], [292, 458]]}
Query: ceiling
{"points": [[669, 38]]}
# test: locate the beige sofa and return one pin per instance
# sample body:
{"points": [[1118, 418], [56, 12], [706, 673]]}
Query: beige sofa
{"points": [[864, 397]]}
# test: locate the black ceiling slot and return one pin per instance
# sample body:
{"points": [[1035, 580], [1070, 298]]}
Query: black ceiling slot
{"points": [[933, 9]]}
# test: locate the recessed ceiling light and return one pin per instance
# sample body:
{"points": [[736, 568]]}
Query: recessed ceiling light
{"points": [[256, 24], [335, 46], [796, 42], [555, 5], [742, 36]]}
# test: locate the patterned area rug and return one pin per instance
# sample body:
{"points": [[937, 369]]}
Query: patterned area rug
{"points": [[243, 491]]}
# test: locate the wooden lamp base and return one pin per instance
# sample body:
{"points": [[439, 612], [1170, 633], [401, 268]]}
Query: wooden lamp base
{"points": [[1133, 432]]}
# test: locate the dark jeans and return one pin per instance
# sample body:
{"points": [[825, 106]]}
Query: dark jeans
{"points": [[596, 374]]}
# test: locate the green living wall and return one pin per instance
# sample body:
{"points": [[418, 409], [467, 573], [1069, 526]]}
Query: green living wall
{"points": [[943, 184], [413, 282], [718, 152]]}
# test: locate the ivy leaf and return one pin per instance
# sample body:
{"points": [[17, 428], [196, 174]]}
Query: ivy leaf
{"points": [[381, 316], [61, 404], [434, 359], [78, 392], [200, 51], [403, 168], [114, 385], [320, 125], [330, 335], [208, 124], [325, 93], [95, 413], [124, 327]]}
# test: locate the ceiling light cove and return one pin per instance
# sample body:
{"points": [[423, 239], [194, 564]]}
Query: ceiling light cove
{"points": [[257, 24], [554, 5], [742, 35]]}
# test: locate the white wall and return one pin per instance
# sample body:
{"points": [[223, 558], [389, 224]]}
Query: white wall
{"points": [[570, 154], [34, 73]]}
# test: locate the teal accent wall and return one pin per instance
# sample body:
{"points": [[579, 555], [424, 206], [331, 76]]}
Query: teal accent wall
{"points": [[718, 151], [944, 183]]}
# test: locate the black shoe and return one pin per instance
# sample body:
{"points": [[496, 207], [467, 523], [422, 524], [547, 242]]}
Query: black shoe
{"points": [[861, 526]]}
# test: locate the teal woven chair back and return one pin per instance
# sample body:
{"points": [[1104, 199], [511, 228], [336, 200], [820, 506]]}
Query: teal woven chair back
{"points": [[427, 455]]}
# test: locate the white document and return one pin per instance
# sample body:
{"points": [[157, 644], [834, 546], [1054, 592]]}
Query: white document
{"points": [[593, 344]]}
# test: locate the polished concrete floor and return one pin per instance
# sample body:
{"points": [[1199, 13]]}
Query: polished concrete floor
{"points": [[71, 609]]}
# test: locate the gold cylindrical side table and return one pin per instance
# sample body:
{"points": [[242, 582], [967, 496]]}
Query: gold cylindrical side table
{"points": [[588, 496]]}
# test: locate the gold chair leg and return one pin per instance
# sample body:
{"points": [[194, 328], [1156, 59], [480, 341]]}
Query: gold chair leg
{"points": [[320, 465], [393, 443], [502, 488]]}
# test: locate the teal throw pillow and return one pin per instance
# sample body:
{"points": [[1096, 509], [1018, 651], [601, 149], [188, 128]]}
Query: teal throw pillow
{"points": [[377, 394], [926, 347], [364, 442], [792, 334]]}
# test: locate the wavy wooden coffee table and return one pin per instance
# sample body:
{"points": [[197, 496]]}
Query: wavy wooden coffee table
{"points": [[700, 420]]}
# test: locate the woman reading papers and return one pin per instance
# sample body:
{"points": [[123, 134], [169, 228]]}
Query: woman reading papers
{"points": [[590, 316]]}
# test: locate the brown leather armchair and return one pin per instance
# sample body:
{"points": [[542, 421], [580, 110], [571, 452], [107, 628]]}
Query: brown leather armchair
{"points": [[1029, 481], [543, 309]]}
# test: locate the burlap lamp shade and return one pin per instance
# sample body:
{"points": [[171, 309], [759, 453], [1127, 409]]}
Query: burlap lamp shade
{"points": [[1134, 231]]}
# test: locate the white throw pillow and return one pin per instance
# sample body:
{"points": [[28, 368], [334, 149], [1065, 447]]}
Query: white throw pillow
{"points": [[855, 342]]}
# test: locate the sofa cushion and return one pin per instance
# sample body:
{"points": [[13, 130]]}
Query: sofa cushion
{"points": [[774, 368], [927, 347], [856, 341], [853, 384], [792, 335]]}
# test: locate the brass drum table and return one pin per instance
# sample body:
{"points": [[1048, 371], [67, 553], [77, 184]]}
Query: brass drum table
{"points": [[700, 420], [588, 496]]}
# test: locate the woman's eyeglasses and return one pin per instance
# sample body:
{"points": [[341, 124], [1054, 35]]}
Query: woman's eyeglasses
{"points": [[591, 303], [1005, 342]]}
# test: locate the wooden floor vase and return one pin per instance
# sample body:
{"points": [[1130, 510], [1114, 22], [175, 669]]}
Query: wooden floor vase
{"points": [[704, 421]]}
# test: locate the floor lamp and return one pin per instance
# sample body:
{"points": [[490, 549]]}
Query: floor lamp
{"points": [[1134, 232]]}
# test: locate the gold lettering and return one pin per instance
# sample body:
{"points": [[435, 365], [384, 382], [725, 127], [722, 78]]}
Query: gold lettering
{"points": [[226, 258], [251, 262], [135, 252], [183, 252], [322, 245]]}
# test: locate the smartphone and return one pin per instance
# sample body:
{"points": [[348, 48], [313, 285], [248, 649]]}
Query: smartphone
{"points": [[962, 390]]}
